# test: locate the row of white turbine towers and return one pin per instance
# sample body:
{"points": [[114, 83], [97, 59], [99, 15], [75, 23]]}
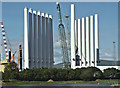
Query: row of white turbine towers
{"points": [[84, 40]]}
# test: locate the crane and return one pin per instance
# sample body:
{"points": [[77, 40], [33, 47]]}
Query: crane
{"points": [[8, 57], [62, 37], [4, 39], [68, 36], [13, 57]]}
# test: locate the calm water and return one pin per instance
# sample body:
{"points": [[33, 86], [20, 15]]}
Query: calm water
{"points": [[63, 86]]}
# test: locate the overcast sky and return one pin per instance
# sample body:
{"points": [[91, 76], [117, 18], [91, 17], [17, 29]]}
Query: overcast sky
{"points": [[12, 16]]}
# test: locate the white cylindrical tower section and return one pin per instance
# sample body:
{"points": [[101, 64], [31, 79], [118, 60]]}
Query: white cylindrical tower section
{"points": [[72, 36], [26, 63], [76, 40], [51, 41], [30, 39], [30, 10], [79, 40], [47, 40], [83, 42], [46, 15], [43, 14], [43, 41], [39, 40], [87, 42], [38, 13], [50, 16], [34, 12], [96, 40], [35, 40], [92, 52]]}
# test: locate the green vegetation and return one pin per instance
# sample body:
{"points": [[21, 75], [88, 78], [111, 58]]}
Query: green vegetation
{"points": [[42, 75], [111, 73], [11, 71], [18, 82]]}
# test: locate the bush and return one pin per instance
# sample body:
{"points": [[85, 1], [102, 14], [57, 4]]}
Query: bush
{"points": [[62, 74], [52, 73], [71, 74], [44, 74], [90, 73], [112, 73], [11, 71], [77, 74]]}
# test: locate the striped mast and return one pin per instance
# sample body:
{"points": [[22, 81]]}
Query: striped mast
{"points": [[4, 40]]}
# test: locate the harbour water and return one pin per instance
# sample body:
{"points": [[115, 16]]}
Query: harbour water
{"points": [[63, 86]]}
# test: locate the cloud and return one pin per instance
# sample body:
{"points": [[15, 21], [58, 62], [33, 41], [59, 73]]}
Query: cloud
{"points": [[56, 44], [57, 52], [106, 55]]}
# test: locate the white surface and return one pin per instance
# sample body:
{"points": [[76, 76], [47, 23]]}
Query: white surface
{"points": [[46, 15], [92, 41], [34, 12], [42, 14], [26, 63], [79, 40], [30, 10], [50, 16], [2, 26], [72, 35], [96, 37], [83, 42], [87, 42], [38, 13], [76, 40]]}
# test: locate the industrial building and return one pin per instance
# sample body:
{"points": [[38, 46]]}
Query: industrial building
{"points": [[38, 39], [85, 41]]}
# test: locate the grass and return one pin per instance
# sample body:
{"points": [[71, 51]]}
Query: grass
{"points": [[17, 82]]}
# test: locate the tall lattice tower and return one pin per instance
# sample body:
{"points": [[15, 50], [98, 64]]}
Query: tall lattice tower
{"points": [[62, 37], [68, 38]]}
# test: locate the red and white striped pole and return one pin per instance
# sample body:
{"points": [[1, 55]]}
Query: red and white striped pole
{"points": [[4, 39]]}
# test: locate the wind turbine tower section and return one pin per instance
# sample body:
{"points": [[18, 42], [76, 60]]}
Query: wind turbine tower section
{"points": [[38, 39], [86, 39]]}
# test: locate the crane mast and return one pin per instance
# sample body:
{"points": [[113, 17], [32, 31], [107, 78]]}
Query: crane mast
{"points": [[62, 37], [4, 40], [68, 37]]}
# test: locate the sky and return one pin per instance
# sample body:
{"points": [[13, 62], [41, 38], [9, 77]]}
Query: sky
{"points": [[12, 17]]}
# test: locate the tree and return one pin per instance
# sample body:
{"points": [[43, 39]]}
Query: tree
{"points": [[91, 73], [111, 73], [11, 71]]}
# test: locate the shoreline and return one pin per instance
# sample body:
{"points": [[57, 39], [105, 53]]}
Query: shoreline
{"points": [[14, 82]]}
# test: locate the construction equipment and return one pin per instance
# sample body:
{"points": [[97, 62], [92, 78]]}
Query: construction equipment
{"points": [[68, 37], [19, 62], [62, 37], [9, 59], [13, 57], [4, 39]]}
